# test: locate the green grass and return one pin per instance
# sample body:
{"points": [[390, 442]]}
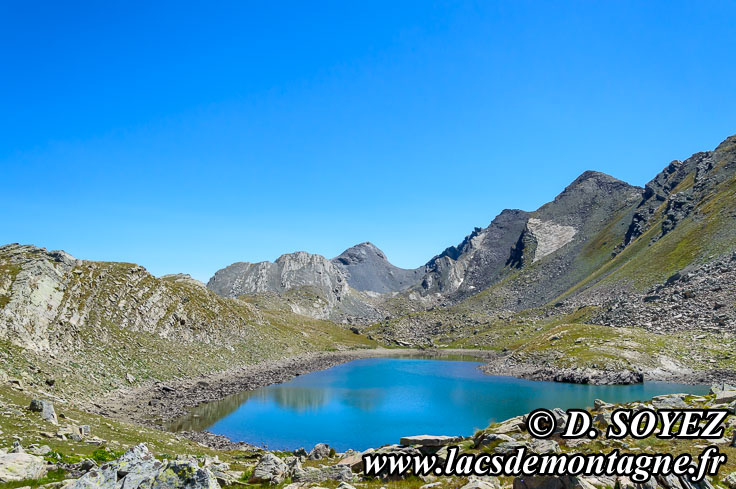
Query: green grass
{"points": [[57, 475]]}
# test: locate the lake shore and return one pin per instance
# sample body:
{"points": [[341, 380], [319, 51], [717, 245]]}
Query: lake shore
{"points": [[157, 404]]}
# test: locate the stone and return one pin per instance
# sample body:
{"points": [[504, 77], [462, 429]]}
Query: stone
{"points": [[599, 405], [331, 472], [730, 480], [513, 425], [270, 470], [46, 408], [320, 451], [429, 440], [510, 447], [488, 438], [542, 447], [21, 466], [40, 451], [292, 465], [345, 485], [724, 397], [355, 462], [484, 483], [138, 469], [129, 377], [551, 482], [671, 401]]}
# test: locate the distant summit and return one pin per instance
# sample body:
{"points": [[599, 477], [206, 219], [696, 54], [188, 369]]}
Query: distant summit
{"points": [[367, 269]]}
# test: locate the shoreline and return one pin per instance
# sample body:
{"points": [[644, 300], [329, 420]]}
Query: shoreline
{"points": [[158, 404], [164, 402]]}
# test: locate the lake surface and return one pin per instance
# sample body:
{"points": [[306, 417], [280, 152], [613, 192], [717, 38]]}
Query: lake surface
{"points": [[371, 402]]}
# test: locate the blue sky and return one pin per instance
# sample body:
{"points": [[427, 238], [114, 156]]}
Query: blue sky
{"points": [[186, 136]]}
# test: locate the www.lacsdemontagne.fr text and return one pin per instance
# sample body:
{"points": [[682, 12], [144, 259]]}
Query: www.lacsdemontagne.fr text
{"points": [[639, 467]]}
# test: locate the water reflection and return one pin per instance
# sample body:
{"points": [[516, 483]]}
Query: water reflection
{"points": [[370, 402], [298, 399], [202, 416]]}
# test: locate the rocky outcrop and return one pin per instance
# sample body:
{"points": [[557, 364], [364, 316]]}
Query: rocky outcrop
{"points": [[21, 466], [50, 297], [697, 297], [311, 284], [367, 269], [138, 469], [46, 408], [478, 261], [269, 470], [287, 272]]}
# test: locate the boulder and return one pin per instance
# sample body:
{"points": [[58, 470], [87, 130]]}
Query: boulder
{"points": [[138, 469], [671, 401], [429, 440], [488, 438], [510, 447], [551, 482], [355, 462], [730, 480], [21, 466], [542, 447], [331, 472], [599, 405], [725, 397], [320, 451], [46, 408], [513, 425], [269, 470], [484, 483]]}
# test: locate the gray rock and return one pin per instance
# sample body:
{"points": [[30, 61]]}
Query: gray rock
{"points": [[331, 472], [429, 440], [671, 401], [510, 447], [46, 408], [320, 451], [138, 469], [730, 480], [270, 470], [544, 446], [488, 438], [21, 466], [367, 269], [484, 483]]}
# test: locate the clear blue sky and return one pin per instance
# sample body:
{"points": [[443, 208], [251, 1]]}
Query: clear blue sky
{"points": [[186, 136]]}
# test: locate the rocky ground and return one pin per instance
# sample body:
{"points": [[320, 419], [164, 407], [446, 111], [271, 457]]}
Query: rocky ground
{"points": [[697, 297], [83, 460]]}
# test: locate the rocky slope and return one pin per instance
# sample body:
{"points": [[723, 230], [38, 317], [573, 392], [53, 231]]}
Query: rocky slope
{"points": [[367, 269], [83, 327], [307, 284]]}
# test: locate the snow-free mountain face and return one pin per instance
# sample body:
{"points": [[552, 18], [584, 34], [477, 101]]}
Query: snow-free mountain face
{"points": [[367, 269], [522, 259]]}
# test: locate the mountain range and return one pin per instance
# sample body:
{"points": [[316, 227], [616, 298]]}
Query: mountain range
{"points": [[602, 257]]}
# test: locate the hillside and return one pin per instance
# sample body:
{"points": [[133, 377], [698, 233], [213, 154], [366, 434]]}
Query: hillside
{"points": [[81, 327]]}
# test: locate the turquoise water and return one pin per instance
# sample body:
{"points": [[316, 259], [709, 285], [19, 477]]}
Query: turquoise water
{"points": [[372, 402]]}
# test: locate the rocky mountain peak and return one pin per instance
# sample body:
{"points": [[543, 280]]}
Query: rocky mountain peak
{"points": [[367, 269], [360, 253], [594, 181]]}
